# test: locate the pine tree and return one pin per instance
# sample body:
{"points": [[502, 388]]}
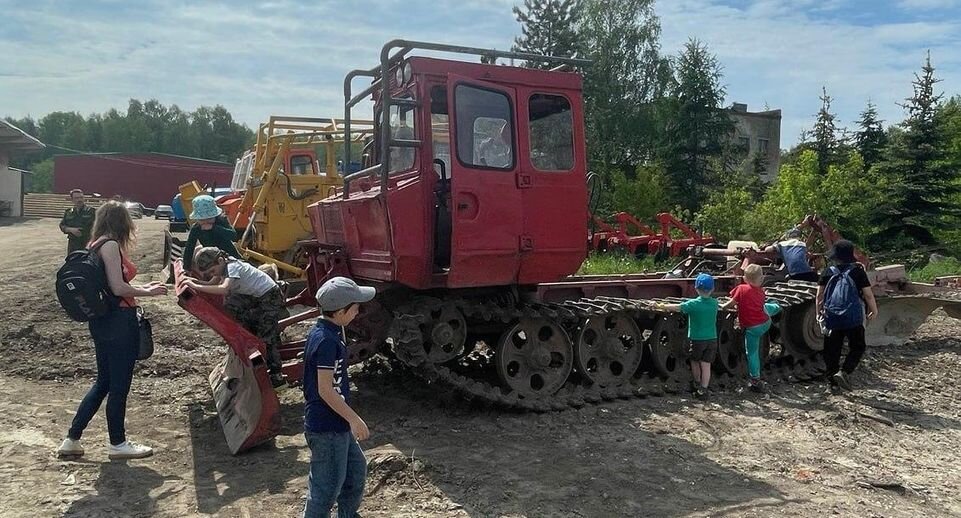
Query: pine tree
{"points": [[700, 130], [920, 175], [826, 139], [548, 27], [870, 139]]}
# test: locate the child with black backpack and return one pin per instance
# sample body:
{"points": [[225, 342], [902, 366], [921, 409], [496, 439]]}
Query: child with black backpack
{"points": [[842, 291]]}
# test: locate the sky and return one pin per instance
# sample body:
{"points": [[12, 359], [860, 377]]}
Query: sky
{"points": [[280, 57]]}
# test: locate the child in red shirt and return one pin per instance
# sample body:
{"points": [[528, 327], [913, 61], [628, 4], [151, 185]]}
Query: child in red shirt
{"points": [[754, 320]]}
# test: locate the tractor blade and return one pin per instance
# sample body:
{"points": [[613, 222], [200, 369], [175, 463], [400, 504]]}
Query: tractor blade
{"points": [[246, 403], [899, 317]]}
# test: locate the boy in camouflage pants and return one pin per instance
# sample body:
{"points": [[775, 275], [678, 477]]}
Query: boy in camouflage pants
{"points": [[250, 296]]}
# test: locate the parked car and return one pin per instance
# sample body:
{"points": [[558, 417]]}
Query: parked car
{"points": [[135, 209], [163, 211]]}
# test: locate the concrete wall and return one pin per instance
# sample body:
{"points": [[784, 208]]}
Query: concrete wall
{"points": [[754, 128], [9, 184]]}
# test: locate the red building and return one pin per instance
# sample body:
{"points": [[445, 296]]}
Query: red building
{"points": [[149, 178]]}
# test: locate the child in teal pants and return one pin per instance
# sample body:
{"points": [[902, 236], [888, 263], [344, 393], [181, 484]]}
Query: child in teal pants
{"points": [[753, 316]]}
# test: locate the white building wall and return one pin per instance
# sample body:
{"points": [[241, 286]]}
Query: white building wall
{"points": [[10, 184]]}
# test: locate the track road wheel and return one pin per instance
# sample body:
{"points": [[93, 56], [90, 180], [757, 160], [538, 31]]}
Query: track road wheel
{"points": [[800, 333], [534, 357], [730, 344], [665, 343], [609, 349], [444, 334], [367, 334]]}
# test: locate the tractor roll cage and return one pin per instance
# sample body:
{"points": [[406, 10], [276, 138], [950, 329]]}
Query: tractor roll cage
{"points": [[380, 78]]}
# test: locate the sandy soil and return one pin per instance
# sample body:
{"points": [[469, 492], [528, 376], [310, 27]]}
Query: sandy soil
{"points": [[886, 449]]}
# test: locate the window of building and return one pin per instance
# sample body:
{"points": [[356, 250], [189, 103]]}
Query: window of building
{"points": [[551, 132], [762, 145], [484, 130], [744, 145]]}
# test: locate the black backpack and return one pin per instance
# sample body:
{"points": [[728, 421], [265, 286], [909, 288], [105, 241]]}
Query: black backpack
{"points": [[82, 287]]}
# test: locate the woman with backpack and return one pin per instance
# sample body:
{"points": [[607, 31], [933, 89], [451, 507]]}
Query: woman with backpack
{"points": [[116, 335], [842, 291]]}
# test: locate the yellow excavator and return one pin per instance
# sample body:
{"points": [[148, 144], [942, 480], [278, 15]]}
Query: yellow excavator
{"points": [[293, 164]]}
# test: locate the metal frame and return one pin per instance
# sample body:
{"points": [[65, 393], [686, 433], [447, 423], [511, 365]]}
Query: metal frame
{"points": [[380, 77]]}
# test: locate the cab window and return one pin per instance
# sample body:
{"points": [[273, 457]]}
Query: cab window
{"points": [[551, 130], [439, 131], [301, 164], [484, 129], [402, 128]]}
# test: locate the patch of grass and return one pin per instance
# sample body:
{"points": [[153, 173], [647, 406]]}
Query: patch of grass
{"points": [[617, 263], [944, 268]]}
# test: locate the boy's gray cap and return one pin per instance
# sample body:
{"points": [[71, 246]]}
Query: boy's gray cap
{"points": [[340, 292]]}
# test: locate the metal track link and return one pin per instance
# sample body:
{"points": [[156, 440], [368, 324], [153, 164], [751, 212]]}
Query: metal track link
{"points": [[408, 345]]}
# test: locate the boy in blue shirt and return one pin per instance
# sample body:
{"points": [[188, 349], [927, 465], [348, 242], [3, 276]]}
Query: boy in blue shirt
{"points": [[701, 331], [338, 468]]}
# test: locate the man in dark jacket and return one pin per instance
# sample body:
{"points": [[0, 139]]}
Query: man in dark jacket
{"points": [[77, 222]]}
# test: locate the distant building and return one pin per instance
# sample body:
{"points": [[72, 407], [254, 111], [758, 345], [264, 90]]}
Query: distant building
{"points": [[149, 178], [13, 140], [759, 135]]}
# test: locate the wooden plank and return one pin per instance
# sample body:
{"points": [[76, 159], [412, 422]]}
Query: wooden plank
{"points": [[51, 205]]}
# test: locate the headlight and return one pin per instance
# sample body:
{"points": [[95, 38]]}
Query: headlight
{"points": [[407, 72], [399, 75]]}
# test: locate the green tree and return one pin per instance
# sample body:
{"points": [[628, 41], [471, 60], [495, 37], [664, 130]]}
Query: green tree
{"points": [[699, 131], [64, 129], [870, 138], [42, 180], [795, 193], [826, 138], [725, 214], [642, 194], [627, 77], [845, 197], [145, 127], [921, 177], [548, 27]]}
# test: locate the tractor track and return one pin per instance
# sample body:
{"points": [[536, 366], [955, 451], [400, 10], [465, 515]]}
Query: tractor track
{"points": [[665, 337]]}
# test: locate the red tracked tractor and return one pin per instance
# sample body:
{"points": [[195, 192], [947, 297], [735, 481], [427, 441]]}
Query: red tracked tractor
{"points": [[470, 223]]}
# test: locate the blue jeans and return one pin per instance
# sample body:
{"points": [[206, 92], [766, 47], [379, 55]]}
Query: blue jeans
{"points": [[338, 471], [116, 340]]}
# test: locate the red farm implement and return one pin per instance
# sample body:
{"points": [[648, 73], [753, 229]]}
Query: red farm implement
{"points": [[630, 235]]}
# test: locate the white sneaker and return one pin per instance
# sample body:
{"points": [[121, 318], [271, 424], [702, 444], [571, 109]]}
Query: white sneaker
{"points": [[128, 450], [70, 448]]}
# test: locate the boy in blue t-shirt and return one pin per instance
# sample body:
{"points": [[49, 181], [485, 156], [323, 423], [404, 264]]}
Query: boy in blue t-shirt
{"points": [[338, 468], [701, 331]]}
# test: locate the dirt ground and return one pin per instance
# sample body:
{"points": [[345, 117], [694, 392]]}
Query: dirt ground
{"points": [[886, 449]]}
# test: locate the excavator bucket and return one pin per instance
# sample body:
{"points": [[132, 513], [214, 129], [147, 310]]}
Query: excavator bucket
{"points": [[247, 405]]}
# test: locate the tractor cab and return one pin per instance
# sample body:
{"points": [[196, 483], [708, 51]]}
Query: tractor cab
{"points": [[478, 175]]}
